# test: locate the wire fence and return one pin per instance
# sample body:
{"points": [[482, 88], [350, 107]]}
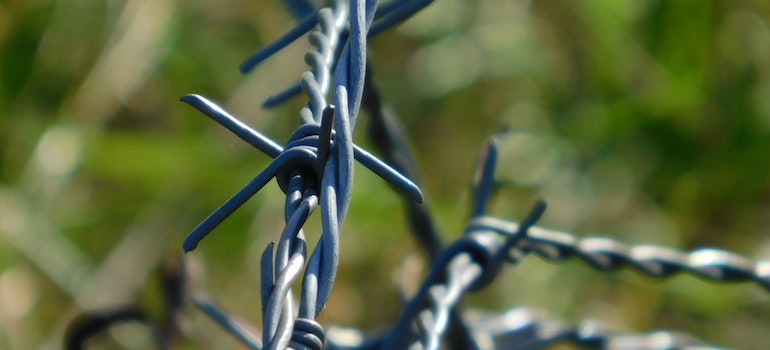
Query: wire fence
{"points": [[314, 169]]}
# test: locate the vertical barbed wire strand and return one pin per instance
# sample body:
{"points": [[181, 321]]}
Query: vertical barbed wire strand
{"points": [[300, 161], [278, 312]]}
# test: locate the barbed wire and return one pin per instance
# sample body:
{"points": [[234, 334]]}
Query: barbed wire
{"points": [[461, 270], [315, 171], [314, 168], [654, 261], [604, 253], [473, 261]]}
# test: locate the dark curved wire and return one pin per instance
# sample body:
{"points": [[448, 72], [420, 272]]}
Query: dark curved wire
{"points": [[164, 333]]}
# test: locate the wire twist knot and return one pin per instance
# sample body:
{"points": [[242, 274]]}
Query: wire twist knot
{"points": [[307, 335], [312, 143]]}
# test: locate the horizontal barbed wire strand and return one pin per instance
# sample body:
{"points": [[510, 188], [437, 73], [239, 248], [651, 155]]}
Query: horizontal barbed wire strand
{"points": [[461, 271]]}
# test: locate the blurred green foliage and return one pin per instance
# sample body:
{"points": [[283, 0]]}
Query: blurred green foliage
{"points": [[647, 121]]}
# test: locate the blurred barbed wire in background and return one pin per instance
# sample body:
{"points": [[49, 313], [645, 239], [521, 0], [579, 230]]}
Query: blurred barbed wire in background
{"points": [[647, 120]]}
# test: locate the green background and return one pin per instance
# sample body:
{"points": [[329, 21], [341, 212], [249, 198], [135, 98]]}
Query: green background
{"points": [[645, 121]]}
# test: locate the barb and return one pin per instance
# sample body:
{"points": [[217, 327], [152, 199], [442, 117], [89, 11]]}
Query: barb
{"points": [[304, 26], [304, 154], [377, 20], [396, 12], [243, 334]]}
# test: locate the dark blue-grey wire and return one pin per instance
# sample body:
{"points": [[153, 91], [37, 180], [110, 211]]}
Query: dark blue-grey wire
{"points": [[351, 68], [245, 336], [402, 10], [337, 164], [385, 17], [273, 149], [283, 159], [299, 8], [486, 180], [286, 158], [243, 131], [303, 26], [485, 249]]}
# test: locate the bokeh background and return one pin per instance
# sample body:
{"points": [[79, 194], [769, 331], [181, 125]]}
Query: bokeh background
{"points": [[645, 121]]}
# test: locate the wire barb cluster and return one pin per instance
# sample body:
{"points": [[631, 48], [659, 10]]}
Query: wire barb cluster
{"points": [[315, 168]]}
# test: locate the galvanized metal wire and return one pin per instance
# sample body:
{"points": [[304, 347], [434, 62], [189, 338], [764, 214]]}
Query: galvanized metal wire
{"points": [[315, 171], [315, 168]]}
